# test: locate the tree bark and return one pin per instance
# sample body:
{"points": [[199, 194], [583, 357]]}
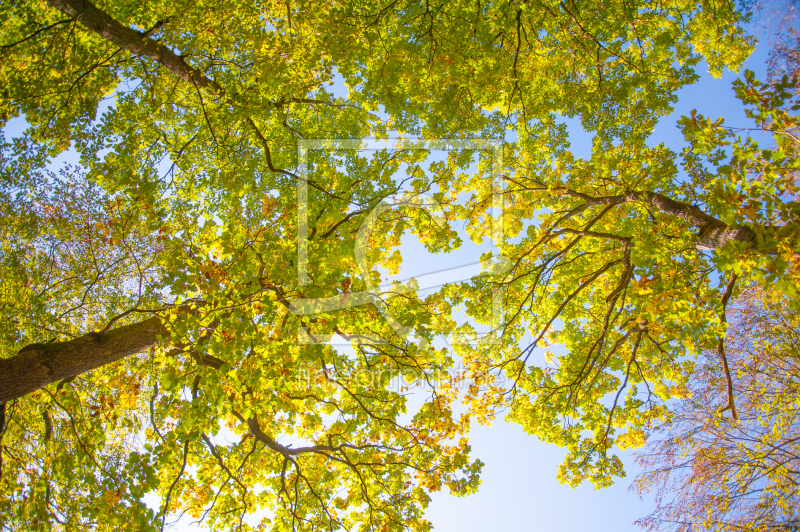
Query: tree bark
{"points": [[136, 42], [38, 365], [713, 233], [721, 349]]}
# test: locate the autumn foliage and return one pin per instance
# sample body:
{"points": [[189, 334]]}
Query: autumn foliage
{"points": [[169, 295]]}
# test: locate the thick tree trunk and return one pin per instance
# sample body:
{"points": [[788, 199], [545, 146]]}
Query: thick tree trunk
{"points": [[137, 42], [713, 233], [716, 237], [38, 365]]}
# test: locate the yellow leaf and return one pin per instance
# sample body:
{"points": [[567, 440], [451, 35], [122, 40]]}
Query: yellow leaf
{"points": [[111, 498], [127, 400], [633, 439]]}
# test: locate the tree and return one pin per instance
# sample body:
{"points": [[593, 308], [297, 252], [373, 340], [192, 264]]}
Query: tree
{"points": [[630, 256], [738, 473], [186, 295], [718, 473], [211, 345]]}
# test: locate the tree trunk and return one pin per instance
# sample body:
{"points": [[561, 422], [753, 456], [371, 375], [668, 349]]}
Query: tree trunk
{"points": [[713, 233], [136, 42], [38, 365]]}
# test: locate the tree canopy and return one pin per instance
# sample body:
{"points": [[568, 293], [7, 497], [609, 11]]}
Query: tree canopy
{"points": [[167, 297], [734, 474]]}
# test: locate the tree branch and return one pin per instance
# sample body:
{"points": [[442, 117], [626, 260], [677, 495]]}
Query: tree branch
{"points": [[136, 42], [713, 234], [721, 348]]}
